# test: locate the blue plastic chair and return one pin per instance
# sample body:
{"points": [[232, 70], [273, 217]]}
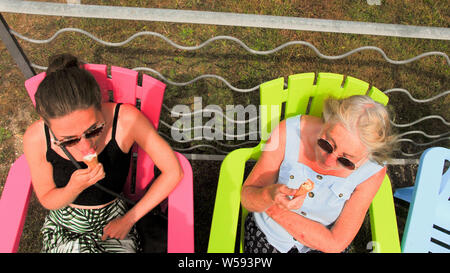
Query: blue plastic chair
{"points": [[427, 227]]}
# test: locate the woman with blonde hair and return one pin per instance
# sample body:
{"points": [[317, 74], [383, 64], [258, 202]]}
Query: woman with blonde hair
{"points": [[314, 182]]}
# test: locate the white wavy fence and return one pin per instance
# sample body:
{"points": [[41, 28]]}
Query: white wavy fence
{"points": [[224, 148]]}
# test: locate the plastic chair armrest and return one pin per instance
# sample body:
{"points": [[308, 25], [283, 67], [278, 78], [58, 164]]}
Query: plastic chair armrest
{"points": [[383, 220], [14, 205], [222, 236], [180, 230]]}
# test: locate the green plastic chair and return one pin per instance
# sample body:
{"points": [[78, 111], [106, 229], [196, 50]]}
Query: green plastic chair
{"points": [[305, 95]]}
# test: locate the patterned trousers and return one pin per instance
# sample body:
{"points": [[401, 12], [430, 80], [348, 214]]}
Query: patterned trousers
{"points": [[80, 230], [255, 240]]}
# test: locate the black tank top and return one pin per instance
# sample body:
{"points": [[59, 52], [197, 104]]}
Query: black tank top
{"points": [[116, 165]]}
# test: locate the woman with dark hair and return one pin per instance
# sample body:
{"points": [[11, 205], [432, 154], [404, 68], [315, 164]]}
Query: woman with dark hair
{"points": [[83, 217]]}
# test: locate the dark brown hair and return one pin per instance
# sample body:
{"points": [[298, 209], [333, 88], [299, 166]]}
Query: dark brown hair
{"points": [[66, 87]]}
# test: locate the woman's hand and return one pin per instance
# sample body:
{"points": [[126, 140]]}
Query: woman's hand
{"points": [[296, 202], [293, 204], [117, 228], [300, 195], [280, 193], [84, 178]]}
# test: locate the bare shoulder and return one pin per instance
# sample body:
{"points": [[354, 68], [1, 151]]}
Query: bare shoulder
{"points": [[129, 109], [34, 141], [280, 130], [133, 126], [277, 138], [129, 114], [34, 134], [311, 121], [273, 150]]}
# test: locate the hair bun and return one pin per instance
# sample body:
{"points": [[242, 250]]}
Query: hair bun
{"points": [[62, 62]]}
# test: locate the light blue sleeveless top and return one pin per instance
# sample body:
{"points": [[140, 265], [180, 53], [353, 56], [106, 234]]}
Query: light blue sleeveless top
{"points": [[323, 204]]}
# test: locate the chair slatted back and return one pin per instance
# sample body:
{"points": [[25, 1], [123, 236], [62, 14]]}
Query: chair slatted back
{"points": [[305, 95]]}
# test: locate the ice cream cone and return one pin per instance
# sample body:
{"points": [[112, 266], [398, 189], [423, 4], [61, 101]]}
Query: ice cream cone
{"points": [[304, 188], [91, 160]]}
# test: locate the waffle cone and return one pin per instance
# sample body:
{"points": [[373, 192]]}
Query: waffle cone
{"points": [[304, 188], [91, 161]]}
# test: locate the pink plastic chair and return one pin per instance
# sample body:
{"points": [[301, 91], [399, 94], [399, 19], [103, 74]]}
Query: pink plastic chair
{"points": [[124, 87]]}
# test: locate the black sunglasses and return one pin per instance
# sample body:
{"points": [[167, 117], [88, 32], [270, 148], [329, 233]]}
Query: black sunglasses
{"points": [[72, 141], [327, 147]]}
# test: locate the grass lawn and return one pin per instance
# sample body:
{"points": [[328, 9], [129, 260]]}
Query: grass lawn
{"points": [[424, 78]]}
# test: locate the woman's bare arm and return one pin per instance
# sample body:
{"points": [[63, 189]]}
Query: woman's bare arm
{"points": [[336, 239]]}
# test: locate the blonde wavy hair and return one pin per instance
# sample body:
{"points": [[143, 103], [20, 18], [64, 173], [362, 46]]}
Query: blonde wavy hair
{"points": [[369, 119]]}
